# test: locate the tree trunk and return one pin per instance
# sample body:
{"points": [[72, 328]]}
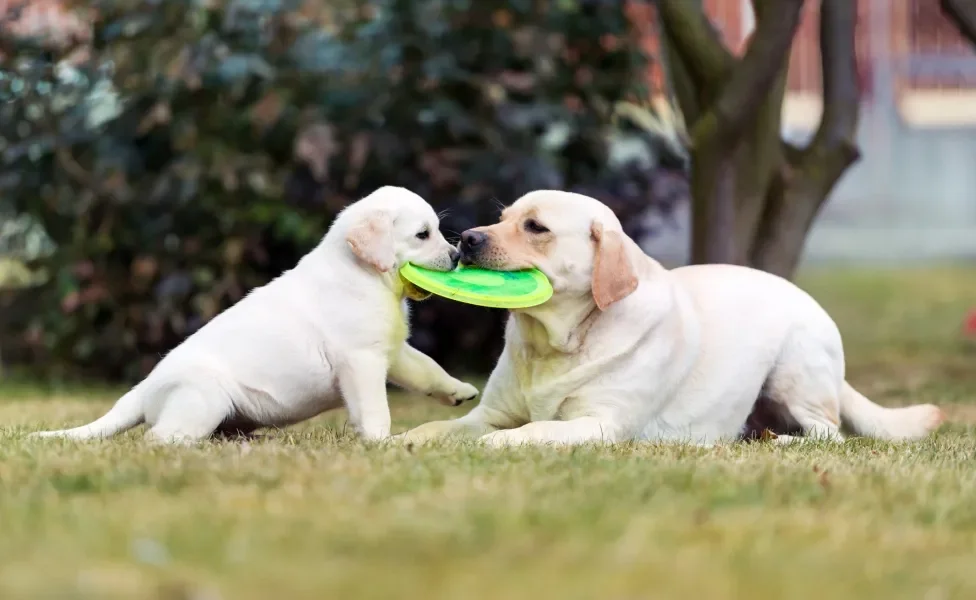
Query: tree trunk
{"points": [[963, 14], [755, 198], [759, 161], [713, 182], [807, 177]]}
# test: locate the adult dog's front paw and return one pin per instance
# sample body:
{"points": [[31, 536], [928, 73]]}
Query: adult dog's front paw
{"points": [[426, 432], [461, 392], [502, 439]]}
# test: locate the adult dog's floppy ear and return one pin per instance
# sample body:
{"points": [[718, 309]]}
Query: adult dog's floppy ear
{"points": [[371, 240], [613, 274]]}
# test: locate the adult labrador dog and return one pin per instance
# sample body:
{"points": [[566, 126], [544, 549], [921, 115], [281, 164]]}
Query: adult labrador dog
{"points": [[627, 349], [333, 328]]}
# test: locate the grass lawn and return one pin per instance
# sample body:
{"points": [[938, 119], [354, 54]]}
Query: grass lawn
{"points": [[310, 512]]}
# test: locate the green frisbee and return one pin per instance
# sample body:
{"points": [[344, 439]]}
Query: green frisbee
{"points": [[481, 287]]}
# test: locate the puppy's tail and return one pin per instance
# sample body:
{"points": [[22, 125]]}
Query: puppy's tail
{"points": [[869, 419], [126, 414]]}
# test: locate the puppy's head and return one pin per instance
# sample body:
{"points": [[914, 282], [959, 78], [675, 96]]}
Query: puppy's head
{"points": [[393, 226], [575, 240]]}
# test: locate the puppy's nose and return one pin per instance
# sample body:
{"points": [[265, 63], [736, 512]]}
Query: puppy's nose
{"points": [[455, 256], [471, 240]]}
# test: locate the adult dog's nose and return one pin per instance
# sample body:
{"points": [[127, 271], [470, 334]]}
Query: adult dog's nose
{"points": [[472, 241]]}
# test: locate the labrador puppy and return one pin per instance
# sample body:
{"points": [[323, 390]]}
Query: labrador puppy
{"points": [[333, 328], [627, 349]]}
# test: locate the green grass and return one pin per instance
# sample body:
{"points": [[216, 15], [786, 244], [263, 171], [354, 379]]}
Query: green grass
{"points": [[310, 512]]}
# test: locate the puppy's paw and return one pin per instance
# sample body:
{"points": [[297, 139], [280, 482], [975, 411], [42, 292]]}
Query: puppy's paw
{"points": [[375, 433], [461, 392], [465, 392]]}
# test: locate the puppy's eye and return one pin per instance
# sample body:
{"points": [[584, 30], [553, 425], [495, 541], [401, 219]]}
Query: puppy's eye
{"points": [[423, 235], [533, 226]]}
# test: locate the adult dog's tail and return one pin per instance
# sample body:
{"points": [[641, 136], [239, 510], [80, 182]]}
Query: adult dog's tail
{"points": [[869, 419], [126, 414]]}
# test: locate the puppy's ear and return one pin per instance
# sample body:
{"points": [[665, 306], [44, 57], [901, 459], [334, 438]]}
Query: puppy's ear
{"points": [[371, 240], [613, 274]]}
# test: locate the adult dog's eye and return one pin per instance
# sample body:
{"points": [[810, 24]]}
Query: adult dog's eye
{"points": [[423, 235], [533, 226]]}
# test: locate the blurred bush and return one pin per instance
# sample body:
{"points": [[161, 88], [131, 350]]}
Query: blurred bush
{"points": [[181, 152]]}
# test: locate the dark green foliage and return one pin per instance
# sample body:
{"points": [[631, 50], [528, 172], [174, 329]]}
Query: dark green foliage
{"points": [[204, 145]]}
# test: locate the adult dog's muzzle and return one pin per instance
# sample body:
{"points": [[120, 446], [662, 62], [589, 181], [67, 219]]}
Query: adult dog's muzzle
{"points": [[472, 244]]}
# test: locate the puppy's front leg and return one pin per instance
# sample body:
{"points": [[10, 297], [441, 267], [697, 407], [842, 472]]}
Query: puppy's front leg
{"points": [[415, 371], [362, 381], [573, 431], [497, 410]]}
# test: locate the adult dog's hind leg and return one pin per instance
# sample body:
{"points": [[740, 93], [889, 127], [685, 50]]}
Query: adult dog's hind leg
{"points": [[806, 382]]}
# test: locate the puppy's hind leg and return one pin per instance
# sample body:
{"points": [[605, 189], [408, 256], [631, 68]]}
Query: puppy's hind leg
{"points": [[362, 381], [190, 413]]}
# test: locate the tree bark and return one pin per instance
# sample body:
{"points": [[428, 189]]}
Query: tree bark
{"points": [[706, 60], [679, 74], [731, 96], [755, 197], [963, 14], [758, 165], [762, 161], [713, 182], [807, 177], [737, 106]]}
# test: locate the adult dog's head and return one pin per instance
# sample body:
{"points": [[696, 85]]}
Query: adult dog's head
{"points": [[393, 226], [575, 240]]}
